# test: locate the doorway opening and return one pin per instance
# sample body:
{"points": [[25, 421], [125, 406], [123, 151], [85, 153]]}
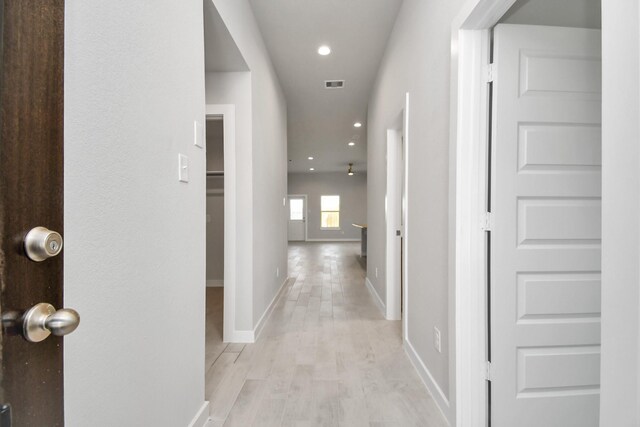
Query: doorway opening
{"points": [[297, 215], [526, 84], [215, 239], [395, 216], [220, 238]]}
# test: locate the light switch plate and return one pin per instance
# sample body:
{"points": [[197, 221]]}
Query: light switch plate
{"points": [[198, 134], [437, 343], [183, 168]]}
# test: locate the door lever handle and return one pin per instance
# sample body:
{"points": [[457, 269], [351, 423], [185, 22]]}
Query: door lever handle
{"points": [[42, 319]]}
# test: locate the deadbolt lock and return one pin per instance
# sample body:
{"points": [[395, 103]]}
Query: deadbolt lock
{"points": [[41, 243]]}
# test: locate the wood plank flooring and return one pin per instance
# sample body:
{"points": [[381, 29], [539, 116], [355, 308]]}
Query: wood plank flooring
{"points": [[326, 357]]}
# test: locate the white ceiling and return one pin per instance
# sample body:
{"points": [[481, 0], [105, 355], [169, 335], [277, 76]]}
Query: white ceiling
{"points": [[320, 121]]}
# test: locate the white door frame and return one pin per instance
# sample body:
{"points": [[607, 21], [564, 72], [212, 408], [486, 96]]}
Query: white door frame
{"points": [[405, 231], [470, 38], [306, 211], [228, 114], [395, 306], [393, 209]]}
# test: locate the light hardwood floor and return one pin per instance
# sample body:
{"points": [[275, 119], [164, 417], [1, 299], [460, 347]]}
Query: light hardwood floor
{"points": [[326, 357]]}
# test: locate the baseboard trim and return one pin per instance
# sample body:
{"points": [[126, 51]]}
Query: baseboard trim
{"points": [[376, 297], [242, 337], [430, 383], [201, 419], [250, 336], [267, 314], [215, 283], [333, 240]]}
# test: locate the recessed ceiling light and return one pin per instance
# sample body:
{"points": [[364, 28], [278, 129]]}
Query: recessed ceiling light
{"points": [[357, 124], [310, 158], [351, 143], [324, 50], [312, 169]]}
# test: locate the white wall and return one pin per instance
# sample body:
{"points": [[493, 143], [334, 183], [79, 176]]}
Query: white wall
{"points": [[268, 157], [215, 239], [134, 235], [565, 13], [620, 369], [417, 60], [215, 203], [235, 88], [353, 201]]}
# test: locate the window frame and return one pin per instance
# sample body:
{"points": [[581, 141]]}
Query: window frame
{"points": [[338, 228], [302, 211]]}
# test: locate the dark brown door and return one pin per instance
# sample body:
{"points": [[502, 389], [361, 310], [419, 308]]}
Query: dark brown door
{"points": [[31, 195]]}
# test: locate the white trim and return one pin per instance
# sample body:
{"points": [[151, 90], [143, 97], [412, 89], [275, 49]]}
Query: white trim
{"points": [[201, 419], [251, 336], [469, 47], [333, 240], [375, 296], [306, 215], [405, 231], [393, 207], [215, 283], [395, 297], [429, 382], [241, 336], [267, 314], [228, 114], [481, 14], [470, 196]]}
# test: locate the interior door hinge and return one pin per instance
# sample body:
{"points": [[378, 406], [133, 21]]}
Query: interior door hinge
{"points": [[489, 73], [488, 373], [487, 222]]}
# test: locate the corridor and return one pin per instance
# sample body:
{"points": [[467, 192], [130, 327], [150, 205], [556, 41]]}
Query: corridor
{"points": [[325, 358]]}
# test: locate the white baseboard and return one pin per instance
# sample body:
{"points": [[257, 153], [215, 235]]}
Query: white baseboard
{"points": [[376, 297], [201, 419], [249, 337], [215, 283], [267, 314], [436, 392], [333, 240], [242, 337]]}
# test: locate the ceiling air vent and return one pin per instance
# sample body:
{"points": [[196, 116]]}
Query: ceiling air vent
{"points": [[334, 84]]}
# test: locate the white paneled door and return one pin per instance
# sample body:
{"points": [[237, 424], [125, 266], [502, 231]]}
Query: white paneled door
{"points": [[297, 231], [546, 219]]}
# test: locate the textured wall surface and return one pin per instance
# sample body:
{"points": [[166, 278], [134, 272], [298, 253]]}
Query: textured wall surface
{"points": [[417, 60], [134, 243], [353, 201], [265, 161]]}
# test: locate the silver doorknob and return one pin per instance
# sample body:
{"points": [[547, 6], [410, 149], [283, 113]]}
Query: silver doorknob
{"points": [[42, 319], [41, 243]]}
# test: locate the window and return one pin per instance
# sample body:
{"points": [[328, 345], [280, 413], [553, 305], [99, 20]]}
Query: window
{"points": [[296, 208], [330, 212]]}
